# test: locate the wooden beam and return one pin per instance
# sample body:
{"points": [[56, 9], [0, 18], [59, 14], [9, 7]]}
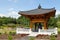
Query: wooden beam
{"points": [[37, 20]]}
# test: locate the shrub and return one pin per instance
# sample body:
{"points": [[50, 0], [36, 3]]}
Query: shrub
{"points": [[5, 33], [31, 38], [9, 37], [52, 22], [52, 37], [0, 33], [12, 33], [1, 27], [11, 25]]}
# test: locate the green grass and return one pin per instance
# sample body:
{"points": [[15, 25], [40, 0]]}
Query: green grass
{"points": [[31, 38], [58, 30], [6, 30]]}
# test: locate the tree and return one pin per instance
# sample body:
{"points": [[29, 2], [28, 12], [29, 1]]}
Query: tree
{"points": [[58, 21], [7, 20], [58, 17], [52, 22], [23, 21]]}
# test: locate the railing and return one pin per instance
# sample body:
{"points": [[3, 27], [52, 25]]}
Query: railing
{"points": [[22, 30], [48, 31], [28, 31]]}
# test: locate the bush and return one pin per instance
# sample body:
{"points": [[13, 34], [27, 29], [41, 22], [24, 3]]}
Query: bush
{"points": [[1, 27], [59, 32], [0, 33], [5, 33], [52, 37], [58, 24], [12, 33], [31, 38], [52, 22], [9, 37], [11, 25]]}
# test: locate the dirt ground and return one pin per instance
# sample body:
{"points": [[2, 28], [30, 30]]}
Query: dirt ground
{"points": [[23, 37], [58, 37]]}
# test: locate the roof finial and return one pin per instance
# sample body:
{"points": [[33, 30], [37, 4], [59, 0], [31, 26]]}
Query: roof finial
{"points": [[39, 6]]}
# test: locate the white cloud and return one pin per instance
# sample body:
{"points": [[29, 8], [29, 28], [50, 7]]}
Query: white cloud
{"points": [[2, 15], [57, 12], [13, 14], [10, 13], [13, 0]]}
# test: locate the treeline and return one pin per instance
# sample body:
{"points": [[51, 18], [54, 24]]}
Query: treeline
{"points": [[7, 20], [23, 21], [54, 21]]}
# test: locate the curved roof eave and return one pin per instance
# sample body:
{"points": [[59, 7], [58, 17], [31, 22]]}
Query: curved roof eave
{"points": [[37, 11]]}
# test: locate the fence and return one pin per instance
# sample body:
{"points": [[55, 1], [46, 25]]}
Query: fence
{"points": [[28, 31]]}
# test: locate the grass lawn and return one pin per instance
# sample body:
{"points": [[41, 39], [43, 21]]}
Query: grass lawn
{"points": [[59, 30], [6, 30]]}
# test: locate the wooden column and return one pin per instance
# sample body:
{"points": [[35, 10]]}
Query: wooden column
{"points": [[31, 24], [45, 25]]}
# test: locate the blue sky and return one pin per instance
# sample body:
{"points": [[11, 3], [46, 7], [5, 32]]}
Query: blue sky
{"points": [[12, 7]]}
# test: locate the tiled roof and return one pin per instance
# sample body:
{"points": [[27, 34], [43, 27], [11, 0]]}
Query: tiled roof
{"points": [[36, 11]]}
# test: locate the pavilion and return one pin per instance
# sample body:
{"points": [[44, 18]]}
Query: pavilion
{"points": [[38, 15]]}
